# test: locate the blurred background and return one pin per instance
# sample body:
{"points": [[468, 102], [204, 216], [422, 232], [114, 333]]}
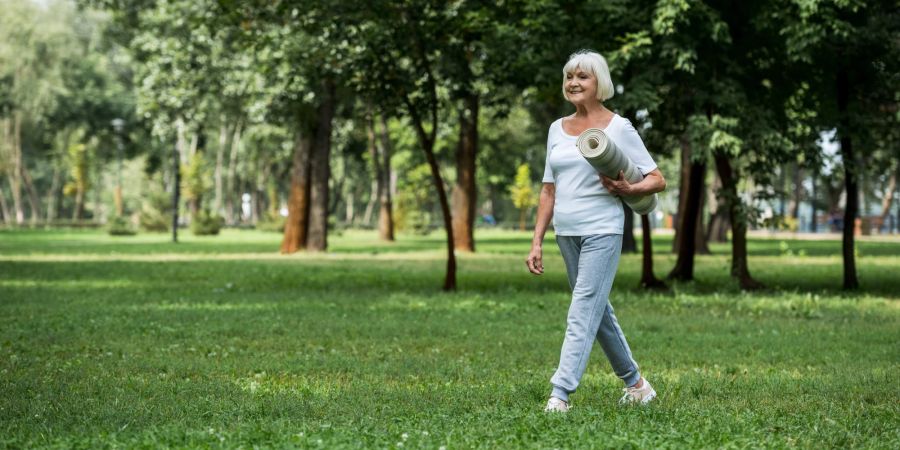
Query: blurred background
{"points": [[307, 117]]}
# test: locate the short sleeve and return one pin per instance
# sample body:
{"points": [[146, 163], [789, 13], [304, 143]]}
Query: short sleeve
{"points": [[548, 174], [634, 147]]}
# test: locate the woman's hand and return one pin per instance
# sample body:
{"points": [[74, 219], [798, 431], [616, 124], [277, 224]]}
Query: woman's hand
{"points": [[652, 183], [620, 186], [535, 262]]}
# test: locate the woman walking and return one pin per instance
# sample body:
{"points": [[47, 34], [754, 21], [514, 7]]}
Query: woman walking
{"points": [[588, 220]]}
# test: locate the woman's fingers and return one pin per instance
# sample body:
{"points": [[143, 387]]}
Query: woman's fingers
{"points": [[535, 265]]}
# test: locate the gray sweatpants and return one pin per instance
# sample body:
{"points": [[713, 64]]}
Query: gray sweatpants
{"points": [[591, 263]]}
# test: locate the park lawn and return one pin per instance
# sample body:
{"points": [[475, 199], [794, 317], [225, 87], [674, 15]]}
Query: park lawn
{"points": [[221, 342]]}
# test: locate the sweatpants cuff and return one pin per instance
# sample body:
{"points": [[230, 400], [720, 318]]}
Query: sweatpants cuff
{"points": [[560, 393], [632, 379]]}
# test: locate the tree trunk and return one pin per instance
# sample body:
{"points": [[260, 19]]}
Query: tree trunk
{"points": [[5, 143], [335, 186], [427, 144], [370, 205], [176, 188], [220, 159], [684, 265], [427, 141], [648, 279], [4, 208], [782, 179], [317, 239], [231, 188], [385, 196], [717, 230], [629, 245], [718, 225], [274, 196], [700, 242], [464, 191], [255, 197], [813, 222], [888, 199], [15, 173], [378, 178], [296, 225], [683, 183], [850, 171], [450, 279], [34, 202], [797, 193], [78, 212], [896, 225], [350, 208], [739, 265], [198, 144]]}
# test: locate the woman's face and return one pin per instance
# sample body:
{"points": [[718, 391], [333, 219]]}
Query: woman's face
{"points": [[581, 87]]}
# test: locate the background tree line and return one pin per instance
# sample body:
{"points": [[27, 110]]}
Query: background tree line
{"points": [[415, 114]]}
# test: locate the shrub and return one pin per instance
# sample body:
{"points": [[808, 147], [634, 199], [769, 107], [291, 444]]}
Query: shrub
{"points": [[206, 224], [155, 211], [271, 222], [120, 226]]}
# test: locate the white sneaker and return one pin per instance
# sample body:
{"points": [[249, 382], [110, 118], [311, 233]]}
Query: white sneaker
{"points": [[638, 396], [556, 405]]}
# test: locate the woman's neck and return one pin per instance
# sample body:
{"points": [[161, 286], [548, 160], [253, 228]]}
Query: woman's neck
{"points": [[591, 110]]}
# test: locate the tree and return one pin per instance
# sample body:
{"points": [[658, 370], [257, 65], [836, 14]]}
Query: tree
{"points": [[79, 161], [380, 153], [523, 194], [648, 278], [849, 54]]}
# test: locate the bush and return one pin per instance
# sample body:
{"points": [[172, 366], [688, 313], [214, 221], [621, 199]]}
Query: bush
{"points": [[69, 223], [155, 212], [271, 222], [120, 226], [206, 224], [414, 202]]}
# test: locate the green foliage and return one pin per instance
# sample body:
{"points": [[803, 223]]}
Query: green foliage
{"points": [[415, 201], [195, 177], [79, 160], [120, 226], [522, 191], [207, 224], [271, 222], [154, 215]]}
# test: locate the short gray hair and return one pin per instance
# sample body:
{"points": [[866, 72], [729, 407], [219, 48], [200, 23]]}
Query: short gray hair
{"points": [[594, 64]]}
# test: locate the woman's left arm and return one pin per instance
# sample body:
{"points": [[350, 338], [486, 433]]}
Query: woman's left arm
{"points": [[652, 183]]}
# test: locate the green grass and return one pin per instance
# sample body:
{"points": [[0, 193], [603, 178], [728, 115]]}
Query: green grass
{"points": [[221, 342]]}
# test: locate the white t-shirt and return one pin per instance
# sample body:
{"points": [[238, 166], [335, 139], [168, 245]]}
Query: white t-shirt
{"points": [[583, 206]]}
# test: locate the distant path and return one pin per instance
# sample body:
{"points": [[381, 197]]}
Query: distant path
{"points": [[768, 234]]}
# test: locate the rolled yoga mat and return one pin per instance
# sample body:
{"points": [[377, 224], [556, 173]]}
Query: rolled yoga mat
{"points": [[599, 150]]}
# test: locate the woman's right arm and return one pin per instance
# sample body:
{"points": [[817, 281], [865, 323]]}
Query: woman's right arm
{"points": [[544, 214]]}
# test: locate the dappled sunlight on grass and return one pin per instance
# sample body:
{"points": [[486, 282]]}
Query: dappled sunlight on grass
{"points": [[409, 302], [292, 385], [66, 284], [203, 338], [201, 306], [167, 257]]}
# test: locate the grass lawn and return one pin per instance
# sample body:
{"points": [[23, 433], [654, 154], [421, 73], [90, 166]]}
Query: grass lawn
{"points": [[221, 342]]}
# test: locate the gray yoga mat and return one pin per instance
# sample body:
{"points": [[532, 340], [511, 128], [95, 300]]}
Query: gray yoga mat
{"points": [[599, 150]]}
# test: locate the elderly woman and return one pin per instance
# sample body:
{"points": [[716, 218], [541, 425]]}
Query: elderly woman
{"points": [[588, 220]]}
